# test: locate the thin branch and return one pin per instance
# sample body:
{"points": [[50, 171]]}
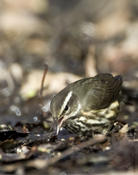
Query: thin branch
{"points": [[43, 80], [68, 152]]}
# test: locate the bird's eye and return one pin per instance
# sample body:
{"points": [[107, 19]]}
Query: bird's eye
{"points": [[66, 108]]}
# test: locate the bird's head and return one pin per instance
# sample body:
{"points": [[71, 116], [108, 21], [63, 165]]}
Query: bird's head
{"points": [[64, 106]]}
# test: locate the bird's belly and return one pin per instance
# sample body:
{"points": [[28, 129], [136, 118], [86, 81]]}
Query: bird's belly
{"points": [[94, 121]]}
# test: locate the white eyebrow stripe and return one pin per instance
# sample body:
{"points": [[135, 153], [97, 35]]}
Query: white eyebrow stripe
{"points": [[67, 98]]}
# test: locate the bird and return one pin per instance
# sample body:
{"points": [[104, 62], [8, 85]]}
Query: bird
{"points": [[88, 106]]}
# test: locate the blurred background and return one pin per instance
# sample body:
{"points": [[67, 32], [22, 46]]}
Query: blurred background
{"points": [[76, 39]]}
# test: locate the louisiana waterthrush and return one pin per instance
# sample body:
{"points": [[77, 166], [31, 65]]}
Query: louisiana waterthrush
{"points": [[89, 105]]}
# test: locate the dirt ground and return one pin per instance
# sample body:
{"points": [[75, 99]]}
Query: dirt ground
{"points": [[75, 39]]}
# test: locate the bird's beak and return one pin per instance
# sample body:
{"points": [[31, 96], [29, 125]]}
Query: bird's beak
{"points": [[60, 123]]}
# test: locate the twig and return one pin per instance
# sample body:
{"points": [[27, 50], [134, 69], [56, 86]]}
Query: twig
{"points": [[68, 152], [43, 80], [76, 148]]}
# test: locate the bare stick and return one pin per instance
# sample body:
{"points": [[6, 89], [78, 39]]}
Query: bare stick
{"points": [[43, 80], [75, 149], [68, 152]]}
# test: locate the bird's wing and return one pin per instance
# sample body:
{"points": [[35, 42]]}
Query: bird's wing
{"points": [[102, 91]]}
